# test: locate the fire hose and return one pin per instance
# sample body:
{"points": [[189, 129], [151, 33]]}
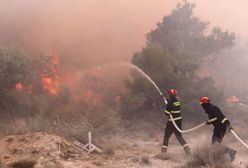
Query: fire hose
{"points": [[178, 129], [238, 138], [188, 130], [201, 125]]}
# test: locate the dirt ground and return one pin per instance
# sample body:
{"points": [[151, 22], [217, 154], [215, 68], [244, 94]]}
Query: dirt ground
{"points": [[42, 150]]}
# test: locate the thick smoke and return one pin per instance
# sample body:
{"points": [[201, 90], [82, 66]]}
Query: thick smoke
{"points": [[82, 32], [89, 33]]}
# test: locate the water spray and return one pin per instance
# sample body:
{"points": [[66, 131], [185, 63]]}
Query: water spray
{"points": [[140, 71]]}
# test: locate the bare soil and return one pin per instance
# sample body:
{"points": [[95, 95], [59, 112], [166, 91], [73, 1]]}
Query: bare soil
{"points": [[42, 150]]}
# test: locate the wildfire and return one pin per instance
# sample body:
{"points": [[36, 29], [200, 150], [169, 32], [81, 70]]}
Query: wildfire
{"points": [[232, 99], [50, 85], [19, 87], [91, 97], [50, 81]]}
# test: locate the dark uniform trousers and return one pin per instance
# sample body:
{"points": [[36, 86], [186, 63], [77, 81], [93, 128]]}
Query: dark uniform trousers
{"points": [[170, 129], [218, 134]]}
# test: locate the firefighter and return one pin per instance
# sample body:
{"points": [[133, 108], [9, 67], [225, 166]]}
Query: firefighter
{"points": [[219, 121], [174, 108]]}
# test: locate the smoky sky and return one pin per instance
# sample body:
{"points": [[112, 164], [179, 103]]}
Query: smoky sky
{"points": [[82, 32], [88, 32]]}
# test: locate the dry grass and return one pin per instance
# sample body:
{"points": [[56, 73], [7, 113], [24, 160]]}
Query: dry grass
{"points": [[162, 156], [111, 146], [58, 165], [109, 151], [209, 156], [98, 163], [145, 160], [76, 129], [24, 164]]}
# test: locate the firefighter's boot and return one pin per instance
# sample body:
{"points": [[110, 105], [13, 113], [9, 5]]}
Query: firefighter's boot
{"points": [[164, 149], [187, 150]]}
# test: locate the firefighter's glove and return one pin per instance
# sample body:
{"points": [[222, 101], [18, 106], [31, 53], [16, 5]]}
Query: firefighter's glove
{"points": [[208, 123], [165, 99], [229, 127]]}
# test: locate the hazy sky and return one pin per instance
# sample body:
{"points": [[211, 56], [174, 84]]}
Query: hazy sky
{"points": [[228, 14], [94, 31]]}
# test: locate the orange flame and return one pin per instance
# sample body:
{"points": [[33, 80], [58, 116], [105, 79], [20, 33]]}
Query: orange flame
{"points": [[19, 87], [50, 85], [233, 99], [50, 81]]}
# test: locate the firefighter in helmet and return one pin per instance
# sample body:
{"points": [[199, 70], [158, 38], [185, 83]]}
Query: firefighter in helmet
{"points": [[219, 121], [174, 108]]}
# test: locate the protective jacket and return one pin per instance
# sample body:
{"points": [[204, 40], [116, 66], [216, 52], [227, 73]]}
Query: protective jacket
{"points": [[216, 117], [174, 108]]}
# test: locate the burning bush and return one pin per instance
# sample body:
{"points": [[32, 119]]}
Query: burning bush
{"points": [[40, 96]]}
